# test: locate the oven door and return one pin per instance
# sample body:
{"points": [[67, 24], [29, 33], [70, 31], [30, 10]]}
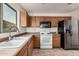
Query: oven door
{"points": [[46, 41]]}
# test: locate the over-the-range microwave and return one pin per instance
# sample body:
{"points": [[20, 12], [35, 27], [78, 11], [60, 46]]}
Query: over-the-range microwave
{"points": [[45, 24]]}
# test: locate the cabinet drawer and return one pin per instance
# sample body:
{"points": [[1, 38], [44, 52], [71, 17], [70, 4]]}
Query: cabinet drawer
{"points": [[56, 35]]}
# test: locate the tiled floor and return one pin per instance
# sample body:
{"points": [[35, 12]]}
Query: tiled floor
{"points": [[55, 52]]}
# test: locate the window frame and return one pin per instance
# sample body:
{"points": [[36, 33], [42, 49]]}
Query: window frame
{"points": [[2, 15]]}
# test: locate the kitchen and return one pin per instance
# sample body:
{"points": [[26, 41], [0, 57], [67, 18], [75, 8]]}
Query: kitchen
{"points": [[41, 27]]}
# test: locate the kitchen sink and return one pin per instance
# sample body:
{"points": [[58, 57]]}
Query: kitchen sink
{"points": [[14, 43], [21, 38]]}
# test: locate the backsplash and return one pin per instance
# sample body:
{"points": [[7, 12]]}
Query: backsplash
{"points": [[32, 29], [54, 29], [36, 29]]}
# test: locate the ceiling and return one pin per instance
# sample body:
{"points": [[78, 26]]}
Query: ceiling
{"points": [[50, 7]]}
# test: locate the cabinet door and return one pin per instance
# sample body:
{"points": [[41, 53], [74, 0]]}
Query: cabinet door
{"points": [[36, 40], [28, 21], [23, 51], [54, 22], [33, 21], [23, 18], [30, 48], [56, 41], [37, 21]]}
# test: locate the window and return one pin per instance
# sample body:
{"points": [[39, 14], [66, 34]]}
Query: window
{"points": [[0, 17], [8, 17]]}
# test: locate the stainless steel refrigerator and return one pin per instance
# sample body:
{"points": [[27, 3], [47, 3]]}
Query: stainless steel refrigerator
{"points": [[67, 34], [70, 42]]}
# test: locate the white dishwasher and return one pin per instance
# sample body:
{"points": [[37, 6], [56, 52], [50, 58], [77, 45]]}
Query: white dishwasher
{"points": [[46, 40]]}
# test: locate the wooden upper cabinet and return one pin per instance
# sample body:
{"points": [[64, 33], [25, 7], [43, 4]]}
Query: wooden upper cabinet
{"points": [[64, 18], [38, 21], [33, 21], [23, 18], [28, 21], [54, 22]]}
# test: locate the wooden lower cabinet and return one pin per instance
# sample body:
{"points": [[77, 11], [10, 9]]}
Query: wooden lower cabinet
{"points": [[30, 48], [23, 51], [37, 40], [27, 49], [56, 41]]}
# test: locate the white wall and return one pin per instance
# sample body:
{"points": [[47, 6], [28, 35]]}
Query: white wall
{"points": [[75, 14]]}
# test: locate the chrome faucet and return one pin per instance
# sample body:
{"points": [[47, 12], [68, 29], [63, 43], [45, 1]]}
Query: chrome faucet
{"points": [[12, 28]]}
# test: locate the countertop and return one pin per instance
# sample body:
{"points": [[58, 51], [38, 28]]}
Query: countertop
{"points": [[4, 35], [13, 51]]}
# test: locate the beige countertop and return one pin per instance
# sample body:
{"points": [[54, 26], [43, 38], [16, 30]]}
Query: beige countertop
{"points": [[13, 51]]}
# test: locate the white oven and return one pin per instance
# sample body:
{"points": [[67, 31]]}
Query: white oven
{"points": [[45, 38]]}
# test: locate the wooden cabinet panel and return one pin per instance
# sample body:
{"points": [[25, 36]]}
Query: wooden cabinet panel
{"points": [[45, 18], [38, 21], [56, 35], [28, 21], [30, 48], [23, 18], [61, 18], [23, 51], [56, 41], [33, 21], [36, 40], [27, 49], [54, 22]]}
